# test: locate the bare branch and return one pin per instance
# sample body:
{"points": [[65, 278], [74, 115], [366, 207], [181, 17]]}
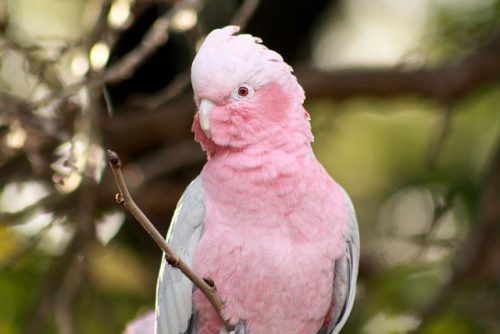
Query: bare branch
{"points": [[175, 88], [39, 68], [440, 210], [445, 83], [181, 82], [245, 13], [437, 141], [99, 26], [124, 198], [154, 38], [20, 217]]}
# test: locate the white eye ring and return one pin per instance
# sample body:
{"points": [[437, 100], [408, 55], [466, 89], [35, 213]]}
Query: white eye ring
{"points": [[243, 92]]}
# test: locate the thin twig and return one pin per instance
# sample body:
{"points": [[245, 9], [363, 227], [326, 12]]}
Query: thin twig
{"points": [[35, 67], [440, 210], [175, 88], [181, 82], [64, 93], [438, 140], [123, 69], [154, 38], [100, 25], [245, 13], [21, 216], [125, 199]]}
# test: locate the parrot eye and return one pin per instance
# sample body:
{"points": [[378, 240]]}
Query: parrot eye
{"points": [[243, 92]]}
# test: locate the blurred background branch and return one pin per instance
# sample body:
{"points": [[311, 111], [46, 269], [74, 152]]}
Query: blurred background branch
{"points": [[404, 102], [448, 82]]}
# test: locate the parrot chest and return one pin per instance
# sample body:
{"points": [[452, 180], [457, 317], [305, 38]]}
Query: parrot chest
{"points": [[270, 248], [270, 282]]}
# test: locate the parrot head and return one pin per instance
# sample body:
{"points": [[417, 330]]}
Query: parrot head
{"points": [[245, 93]]}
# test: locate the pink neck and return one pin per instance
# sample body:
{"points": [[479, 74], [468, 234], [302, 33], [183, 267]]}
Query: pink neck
{"points": [[293, 137]]}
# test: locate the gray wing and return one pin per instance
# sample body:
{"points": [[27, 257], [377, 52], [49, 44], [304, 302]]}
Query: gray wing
{"points": [[174, 310], [346, 274]]}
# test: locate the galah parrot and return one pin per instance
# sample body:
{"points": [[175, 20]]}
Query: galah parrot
{"points": [[264, 220]]}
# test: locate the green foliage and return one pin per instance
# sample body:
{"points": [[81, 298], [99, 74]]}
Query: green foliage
{"points": [[456, 29], [18, 288], [455, 323]]}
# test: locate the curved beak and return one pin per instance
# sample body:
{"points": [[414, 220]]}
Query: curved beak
{"points": [[204, 112]]}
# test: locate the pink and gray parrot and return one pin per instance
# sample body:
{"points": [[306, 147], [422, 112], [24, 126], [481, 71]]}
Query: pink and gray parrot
{"points": [[263, 220]]}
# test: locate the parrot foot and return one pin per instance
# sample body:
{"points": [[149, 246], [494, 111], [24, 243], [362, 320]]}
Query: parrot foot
{"points": [[209, 281]]}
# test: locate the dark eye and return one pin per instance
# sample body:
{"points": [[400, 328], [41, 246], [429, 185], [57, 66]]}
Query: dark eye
{"points": [[243, 91]]}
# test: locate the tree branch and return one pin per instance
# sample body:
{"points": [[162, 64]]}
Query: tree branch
{"points": [[442, 130], [124, 198], [155, 37], [445, 83], [20, 217], [99, 26], [181, 82], [245, 13]]}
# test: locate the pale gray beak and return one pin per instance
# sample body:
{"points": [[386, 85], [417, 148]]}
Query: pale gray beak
{"points": [[204, 112]]}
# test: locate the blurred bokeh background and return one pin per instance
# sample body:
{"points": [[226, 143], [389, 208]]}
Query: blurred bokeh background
{"points": [[405, 105]]}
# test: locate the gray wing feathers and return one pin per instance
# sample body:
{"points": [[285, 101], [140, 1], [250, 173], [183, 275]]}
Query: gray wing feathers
{"points": [[346, 273], [174, 307]]}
